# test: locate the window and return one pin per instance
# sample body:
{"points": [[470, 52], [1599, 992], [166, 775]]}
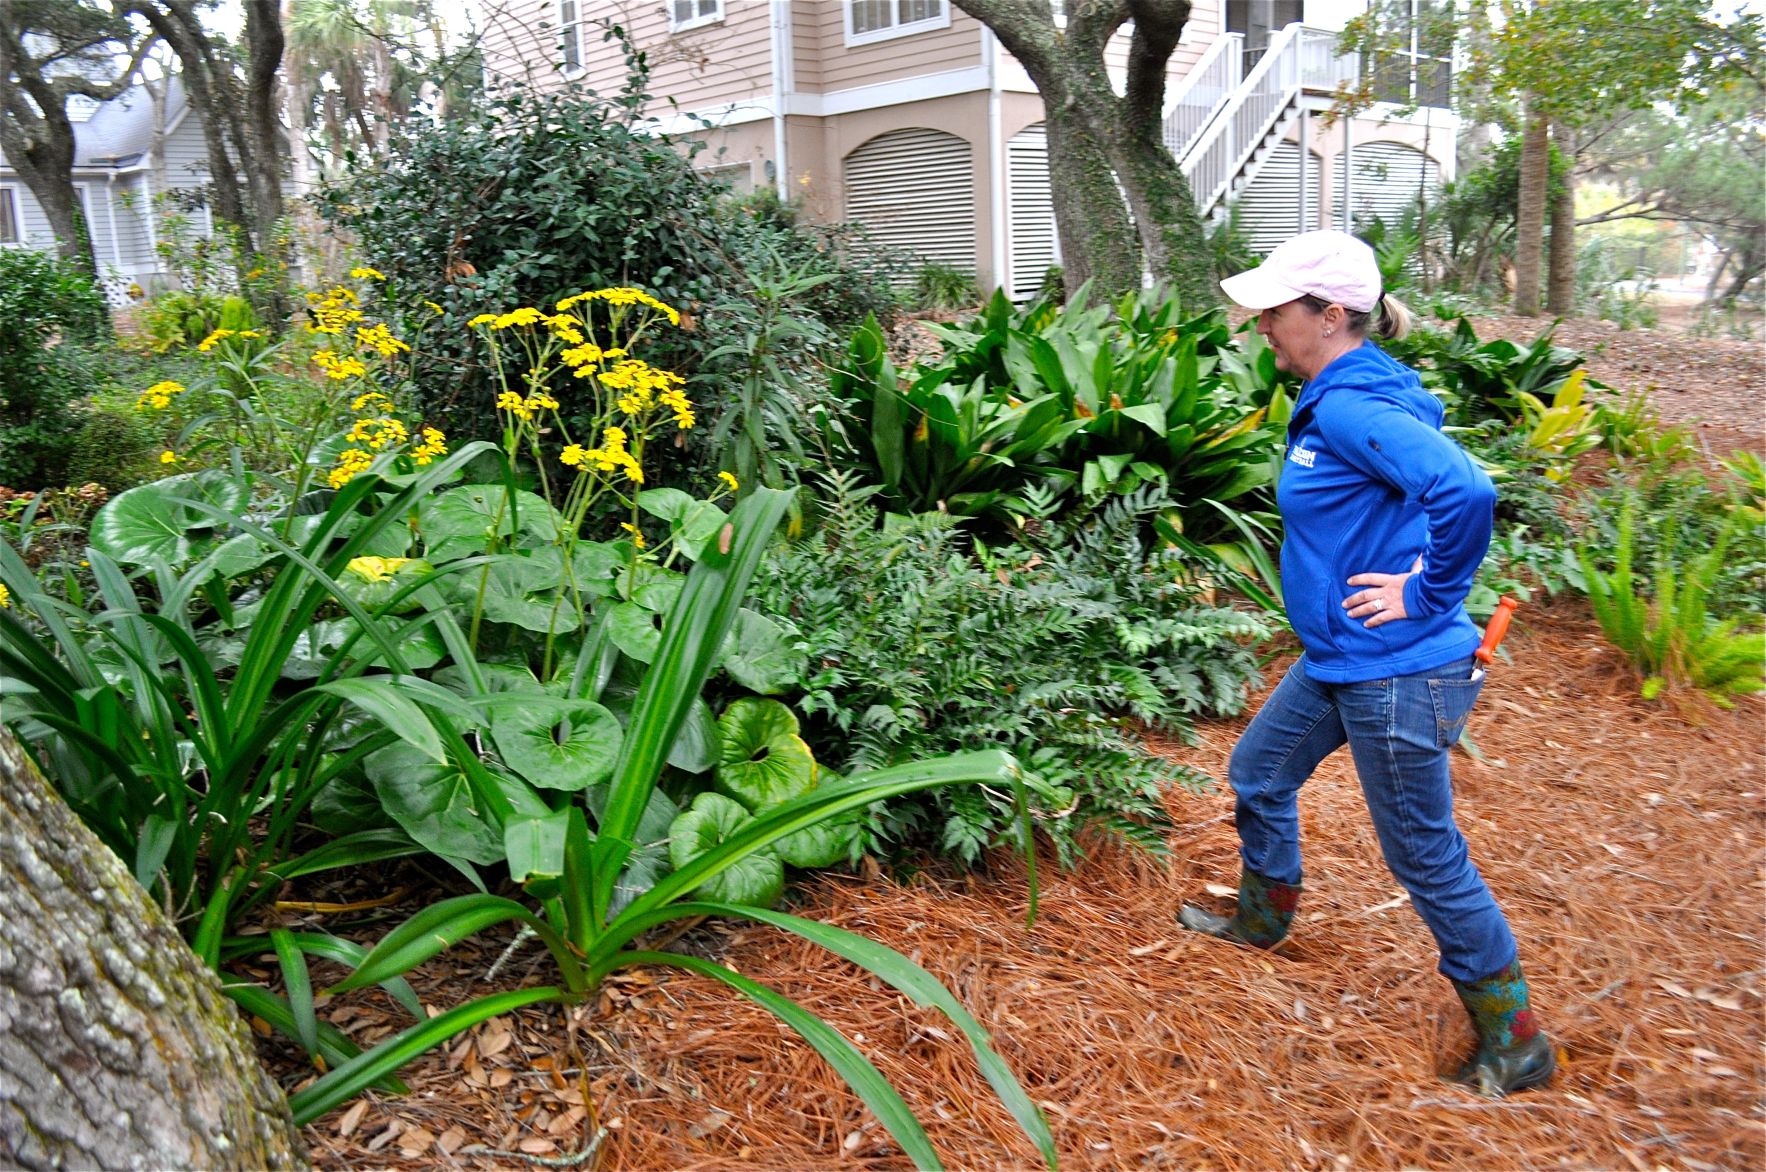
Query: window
{"points": [[686, 14], [570, 51], [879, 20], [8, 217], [1413, 65]]}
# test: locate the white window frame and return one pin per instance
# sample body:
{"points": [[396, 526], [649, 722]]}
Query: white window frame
{"points": [[570, 32], [9, 196], [896, 28], [676, 25]]}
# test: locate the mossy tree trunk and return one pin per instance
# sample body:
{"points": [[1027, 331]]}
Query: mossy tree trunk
{"points": [[1122, 206], [1530, 213], [1560, 275], [117, 1047]]}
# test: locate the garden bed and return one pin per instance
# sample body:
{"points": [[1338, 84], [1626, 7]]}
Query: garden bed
{"points": [[1625, 839]]}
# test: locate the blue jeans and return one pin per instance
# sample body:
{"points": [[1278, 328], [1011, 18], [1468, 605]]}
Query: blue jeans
{"points": [[1399, 731]]}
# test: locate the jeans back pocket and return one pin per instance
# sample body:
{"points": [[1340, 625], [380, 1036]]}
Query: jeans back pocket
{"points": [[1453, 700]]}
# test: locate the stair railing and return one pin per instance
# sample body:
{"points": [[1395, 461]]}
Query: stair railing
{"points": [[1202, 92], [1223, 148]]}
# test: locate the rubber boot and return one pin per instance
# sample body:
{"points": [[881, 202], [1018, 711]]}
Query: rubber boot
{"points": [[1513, 1053], [1266, 908]]}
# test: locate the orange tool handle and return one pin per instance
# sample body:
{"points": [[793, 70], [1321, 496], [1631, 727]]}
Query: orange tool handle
{"points": [[1505, 610]]}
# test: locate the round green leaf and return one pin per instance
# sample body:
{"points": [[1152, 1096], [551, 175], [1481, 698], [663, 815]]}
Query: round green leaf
{"points": [[757, 879], [432, 802], [821, 845], [142, 524], [635, 630], [372, 580], [522, 590], [557, 744], [761, 761], [759, 655]]}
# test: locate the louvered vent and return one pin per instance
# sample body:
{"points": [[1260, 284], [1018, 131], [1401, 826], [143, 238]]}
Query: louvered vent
{"points": [[915, 190], [1034, 246], [1387, 176], [1269, 213]]}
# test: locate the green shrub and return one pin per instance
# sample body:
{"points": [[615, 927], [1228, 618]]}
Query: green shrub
{"points": [[115, 445], [1051, 649], [943, 288], [48, 307]]}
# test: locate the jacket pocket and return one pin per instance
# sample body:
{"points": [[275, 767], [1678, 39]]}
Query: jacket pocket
{"points": [[1453, 701]]}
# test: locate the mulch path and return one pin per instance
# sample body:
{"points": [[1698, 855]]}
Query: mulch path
{"points": [[1626, 841]]}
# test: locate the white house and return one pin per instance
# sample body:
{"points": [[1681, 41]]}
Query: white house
{"points": [[117, 174]]}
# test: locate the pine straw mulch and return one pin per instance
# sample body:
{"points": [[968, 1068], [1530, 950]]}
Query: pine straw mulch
{"points": [[1627, 842]]}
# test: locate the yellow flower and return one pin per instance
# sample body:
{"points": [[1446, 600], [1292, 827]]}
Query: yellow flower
{"points": [[527, 315], [483, 319], [565, 327], [254, 274], [438, 309], [514, 404], [379, 338], [539, 399], [375, 569], [622, 296], [168, 457], [363, 273], [676, 400], [573, 456], [581, 355], [637, 538], [5, 596], [158, 396], [214, 339], [729, 481], [348, 366], [434, 444]]}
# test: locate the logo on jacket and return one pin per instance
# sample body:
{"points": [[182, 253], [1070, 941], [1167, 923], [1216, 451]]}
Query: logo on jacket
{"points": [[1302, 456]]}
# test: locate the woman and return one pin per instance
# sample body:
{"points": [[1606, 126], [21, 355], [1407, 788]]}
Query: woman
{"points": [[1387, 521]]}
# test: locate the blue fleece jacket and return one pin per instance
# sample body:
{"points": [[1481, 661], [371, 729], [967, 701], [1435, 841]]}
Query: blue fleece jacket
{"points": [[1370, 482]]}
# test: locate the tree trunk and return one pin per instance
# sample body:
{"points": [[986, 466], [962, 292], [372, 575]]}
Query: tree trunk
{"points": [[117, 1047], [1560, 282], [1530, 216], [1120, 201], [38, 142]]}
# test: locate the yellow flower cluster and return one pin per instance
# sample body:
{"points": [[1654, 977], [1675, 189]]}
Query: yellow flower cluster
{"points": [[644, 384], [351, 463], [340, 367], [378, 432], [158, 396], [526, 409], [219, 336], [370, 401], [637, 537], [729, 480], [434, 444], [379, 339], [622, 296], [611, 456], [363, 273], [334, 312], [5, 597]]}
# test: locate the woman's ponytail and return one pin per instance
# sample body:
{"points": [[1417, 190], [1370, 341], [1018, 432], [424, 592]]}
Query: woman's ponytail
{"points": [[1394, 318]]}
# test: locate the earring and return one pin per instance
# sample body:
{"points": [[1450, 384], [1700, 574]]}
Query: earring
{"points": [[1328, 333]]}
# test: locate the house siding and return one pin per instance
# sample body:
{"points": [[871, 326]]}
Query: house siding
{"points": [[186, 154], [914, 55], [520, 43]]}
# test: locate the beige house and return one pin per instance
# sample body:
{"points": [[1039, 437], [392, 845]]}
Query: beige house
{"points": [[908, 117]]}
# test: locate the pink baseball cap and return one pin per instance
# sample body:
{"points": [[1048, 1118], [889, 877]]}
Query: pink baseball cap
{"points": [[1328, 263]]}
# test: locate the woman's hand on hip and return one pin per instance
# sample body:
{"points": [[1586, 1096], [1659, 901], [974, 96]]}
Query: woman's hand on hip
{"points": [[1383, 599]]}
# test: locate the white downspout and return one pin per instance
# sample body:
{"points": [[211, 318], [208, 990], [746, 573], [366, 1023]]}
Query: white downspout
{"points": [[996, 166], [782, 85], [1305, 161]]}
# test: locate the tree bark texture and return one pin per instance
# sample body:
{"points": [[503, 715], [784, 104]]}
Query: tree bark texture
{"points": [[1121, 203], [1530, 215], [1560, 278], [117, 1048]]}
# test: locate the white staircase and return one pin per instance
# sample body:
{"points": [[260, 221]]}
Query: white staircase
{"points": [[1221, 126]]}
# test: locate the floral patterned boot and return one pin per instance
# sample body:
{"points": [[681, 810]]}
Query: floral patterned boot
{"points": [[1513, 1053], [1266, 908]]}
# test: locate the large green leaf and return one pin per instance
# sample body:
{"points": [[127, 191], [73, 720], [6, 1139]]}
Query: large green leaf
{"points": [[522, 590], [757, 878], [466, 520], [317, 648], [557, 744], [373, 580], [760, 656], [636, 626], [433, 802], [144, 524], [761, 761]]}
